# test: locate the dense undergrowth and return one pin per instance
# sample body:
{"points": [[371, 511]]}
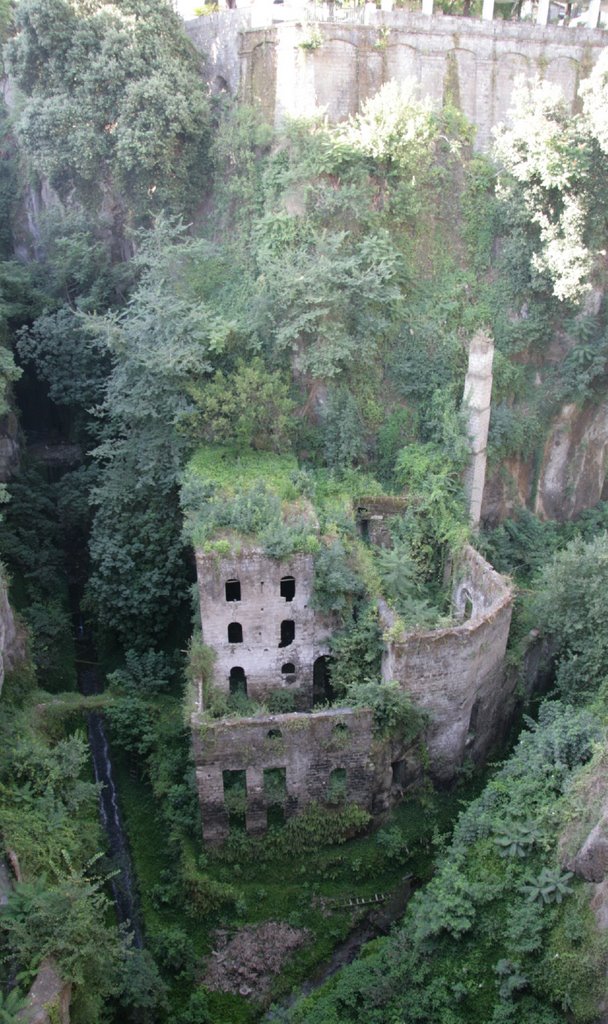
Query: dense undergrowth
{"points": [[316, 311]]}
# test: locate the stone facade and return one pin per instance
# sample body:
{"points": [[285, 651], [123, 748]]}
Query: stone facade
{"points": [[457, 674], [474, 62], [263, 601], [329, 757]]}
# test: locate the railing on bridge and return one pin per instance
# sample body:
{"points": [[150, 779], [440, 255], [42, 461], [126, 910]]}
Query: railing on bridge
{"points": [[539, 12]]}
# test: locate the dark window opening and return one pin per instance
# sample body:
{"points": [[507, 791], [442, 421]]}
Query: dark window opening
{"points": [[468, 607], [275, 785], [322, 690], [233, 590], [235, 797], [399, 773], [363, 523], [238, 680], [474, 719], [274, 734], [336, 786], [288, 669], [288, 632], [340, 730], [276, 815], [235, 633], [288, 588]]}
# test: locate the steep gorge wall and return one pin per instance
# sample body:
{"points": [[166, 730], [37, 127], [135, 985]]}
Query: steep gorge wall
{"points": [[295, 69]]}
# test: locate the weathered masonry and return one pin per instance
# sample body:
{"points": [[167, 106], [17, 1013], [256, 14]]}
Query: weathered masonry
{"points": [[257, 617], [276, 765], [295, 69], [249, 767], [458, 674]]}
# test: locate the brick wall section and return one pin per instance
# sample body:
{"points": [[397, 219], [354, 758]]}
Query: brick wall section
{"points": [[458, 674], [260, 613], [309, 747], [478, 61]]}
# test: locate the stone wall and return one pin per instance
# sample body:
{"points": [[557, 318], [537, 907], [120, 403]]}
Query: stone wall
{"points": [[457, 674], [260, 610], [308, 748], [475, 62]]}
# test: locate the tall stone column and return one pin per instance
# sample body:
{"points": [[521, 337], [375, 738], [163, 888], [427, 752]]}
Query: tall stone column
{"points": [[477, 401]]}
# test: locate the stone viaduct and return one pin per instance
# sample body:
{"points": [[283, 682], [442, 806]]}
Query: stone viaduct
{"points": [[301, 65]]}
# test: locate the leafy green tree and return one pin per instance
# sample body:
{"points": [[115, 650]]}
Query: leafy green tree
{"points": [[114, 105], [249, 408], [569, 607]]}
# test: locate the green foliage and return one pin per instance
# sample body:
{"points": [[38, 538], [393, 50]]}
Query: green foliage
{"points": [[549, 887], [11, 1004], [113, 101], [551, 161], [249, 409], [356, 650], [404, 588], [394, 713], [569, 607], [336, 584]]}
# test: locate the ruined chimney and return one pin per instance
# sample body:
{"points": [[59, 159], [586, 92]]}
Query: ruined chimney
{"points": [[476, 402]]}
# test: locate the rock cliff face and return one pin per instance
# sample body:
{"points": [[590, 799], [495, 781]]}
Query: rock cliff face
{"points": [[12, 639], [571, 474]]}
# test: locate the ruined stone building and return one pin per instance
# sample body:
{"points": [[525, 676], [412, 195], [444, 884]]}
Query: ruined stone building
{"points": [[258, 618]]}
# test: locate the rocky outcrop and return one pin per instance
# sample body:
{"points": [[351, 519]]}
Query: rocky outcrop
{"points": [[570, 476], [12, 639], [49, 997]]}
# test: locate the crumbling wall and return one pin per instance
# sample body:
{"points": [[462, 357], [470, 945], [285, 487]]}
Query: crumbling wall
{"points": [[476, 63], [309, 748], [260, 611], [458, 674]]}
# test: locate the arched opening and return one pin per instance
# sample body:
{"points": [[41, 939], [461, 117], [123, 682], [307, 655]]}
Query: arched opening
{"points": [[288, 669], [238, 681], [235, 633], [322, 690], [288, 632], [233, 590], [288, 587], [274, 734], [340, 731]]}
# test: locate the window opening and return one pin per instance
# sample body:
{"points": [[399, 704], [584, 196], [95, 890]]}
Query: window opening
{"points": [[233, 590], [399, 774], [322, 690], [235, 797], [238, 681], [340, 730], [288, 588], [274, 734], [235, 633], [336, 786], [275, 785], [288, 668], [288, 632]]}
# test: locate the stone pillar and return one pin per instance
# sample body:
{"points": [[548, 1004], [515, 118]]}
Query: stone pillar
{"points": [[477, 401], [593, 14], [542, 14], [256, 815], [210, 785], [487, 11], [427, 7]]}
